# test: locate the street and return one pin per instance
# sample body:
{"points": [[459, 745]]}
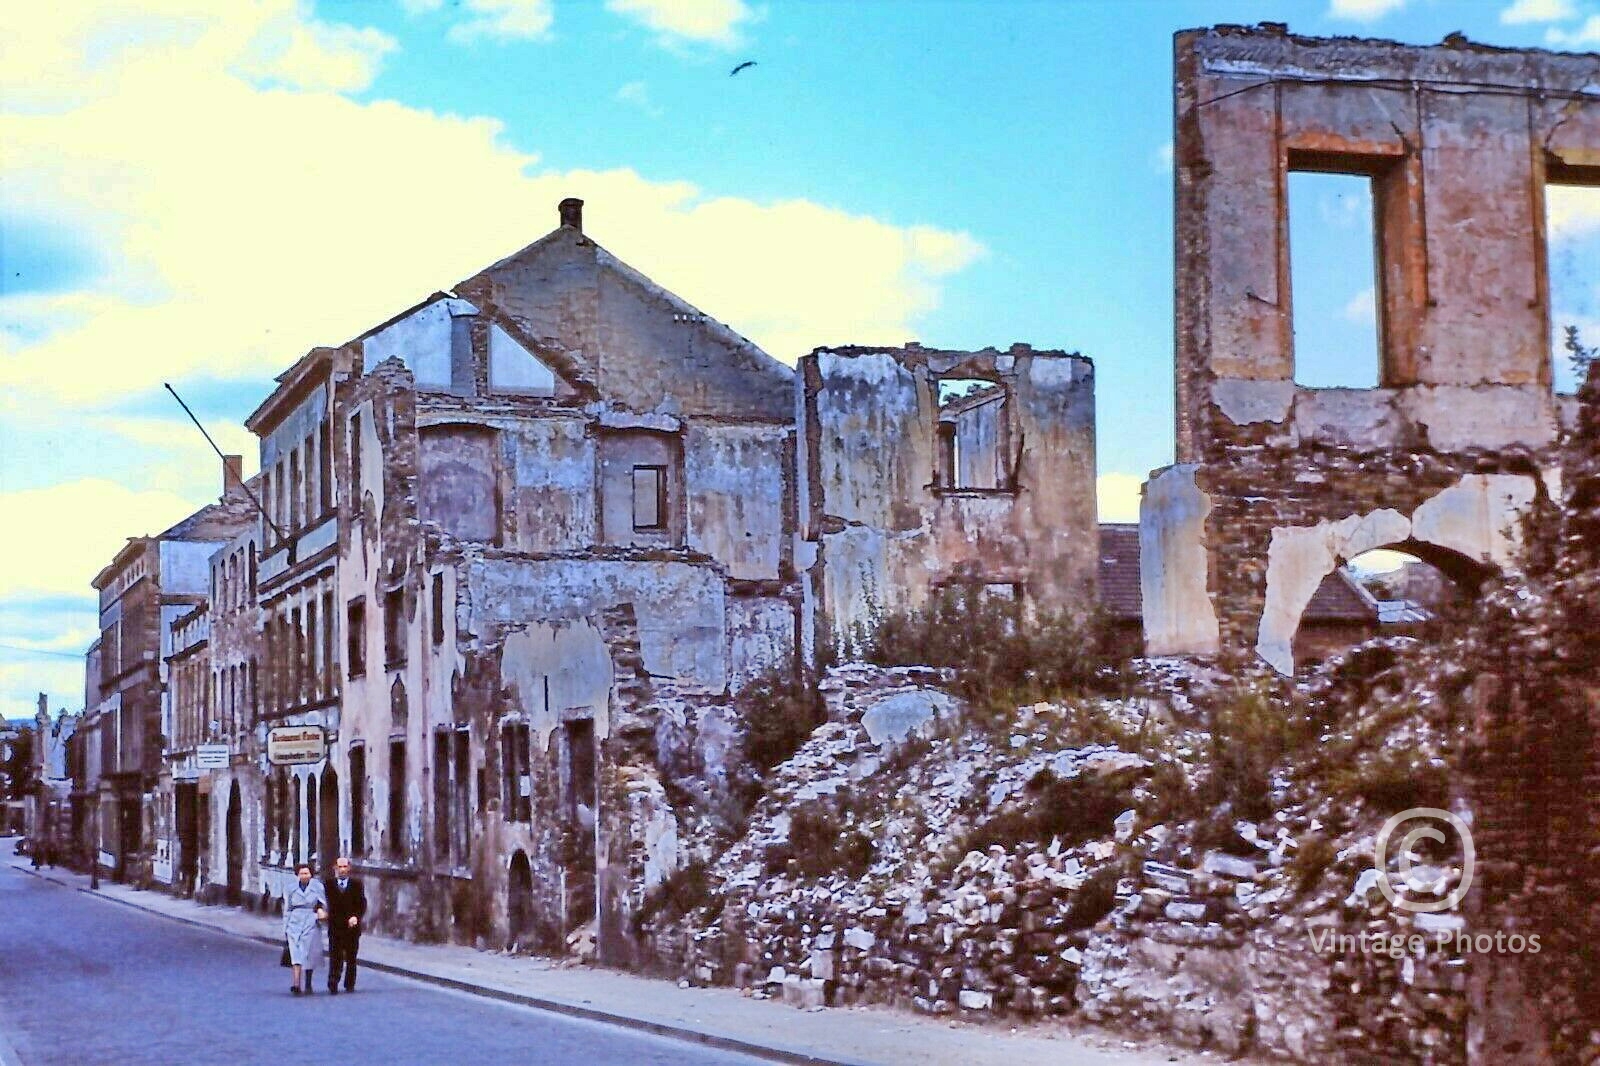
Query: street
{"points": [[91, 983]]}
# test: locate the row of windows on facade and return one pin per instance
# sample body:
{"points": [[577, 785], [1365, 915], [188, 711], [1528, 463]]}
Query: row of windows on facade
{"points": [[230, 690], [233, 580], [297, 490], [293, 806], [302, 670]]}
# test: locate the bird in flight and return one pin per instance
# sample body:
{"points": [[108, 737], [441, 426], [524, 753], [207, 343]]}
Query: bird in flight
{"points": [[741, 66]]}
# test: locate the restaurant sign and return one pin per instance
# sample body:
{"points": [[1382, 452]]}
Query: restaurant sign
{"points": [[296, 745]]}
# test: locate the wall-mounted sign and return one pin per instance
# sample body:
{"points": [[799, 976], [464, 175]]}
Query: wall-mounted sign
{"points": [[211, 757], [295, 745]]}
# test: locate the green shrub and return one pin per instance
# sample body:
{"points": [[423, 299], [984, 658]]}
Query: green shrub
{"points": [[685, 889], [1251, 735], [1071, 811], [1095, 898], [1004, 655], [1311, 860], [778, 711], [1393, 780]]}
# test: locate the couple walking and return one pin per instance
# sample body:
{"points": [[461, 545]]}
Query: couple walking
{"points": [[340, 902]]}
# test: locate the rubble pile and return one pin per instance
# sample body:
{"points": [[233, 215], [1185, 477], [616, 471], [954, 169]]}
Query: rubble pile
{"points": [[1106, 856], [900, 857]]}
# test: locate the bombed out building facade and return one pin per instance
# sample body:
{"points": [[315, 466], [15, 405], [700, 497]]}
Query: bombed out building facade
{"points": [[508, 559], [1278, 484]]}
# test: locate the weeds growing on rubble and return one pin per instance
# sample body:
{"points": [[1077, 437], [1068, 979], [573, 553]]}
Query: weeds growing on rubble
{"points": [[1004, 654], [778, 709]]}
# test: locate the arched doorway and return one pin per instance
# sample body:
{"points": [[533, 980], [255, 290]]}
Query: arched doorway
{"points": [[519, 901], [328, 844], [235, 846]]}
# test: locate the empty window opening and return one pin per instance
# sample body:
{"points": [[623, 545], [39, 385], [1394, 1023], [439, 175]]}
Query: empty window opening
{"points": [[438, 608], [358, 800], [1333, 270], [581, 759], [514, 758], [441, 788], [324, 469], [461, 798], [1002, 592], [1406, 590], [355, 462], [355, 628], [394, 627], [1572, 243], [649, 498], [972, 435], [330, 670], [397, 798]]}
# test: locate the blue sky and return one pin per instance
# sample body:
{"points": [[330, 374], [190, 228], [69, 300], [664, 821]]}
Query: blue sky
{"points": [[197, 193]]}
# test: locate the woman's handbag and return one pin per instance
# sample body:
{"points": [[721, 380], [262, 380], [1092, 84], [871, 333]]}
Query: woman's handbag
{"points": [[283, 960]]}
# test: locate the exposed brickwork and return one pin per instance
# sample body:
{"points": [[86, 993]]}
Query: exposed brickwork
{"points": [[1459, 141], [1535, 758]]}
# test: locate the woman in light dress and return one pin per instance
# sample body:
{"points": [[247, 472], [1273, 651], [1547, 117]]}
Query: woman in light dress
{"points": [[305, 906]]}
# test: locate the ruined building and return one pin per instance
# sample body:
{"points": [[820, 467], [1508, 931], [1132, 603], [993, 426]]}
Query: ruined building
{"points": [[560, 440], [926, 469], [1277, 484], [518, 548]]}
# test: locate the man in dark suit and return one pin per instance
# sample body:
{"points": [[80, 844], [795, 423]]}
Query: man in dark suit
{"points": [[347, 909]]}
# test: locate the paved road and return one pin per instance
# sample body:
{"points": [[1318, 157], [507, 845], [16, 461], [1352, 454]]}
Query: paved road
{"points": [[90, 983]]}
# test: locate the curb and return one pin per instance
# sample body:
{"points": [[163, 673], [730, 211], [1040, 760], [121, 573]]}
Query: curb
{"points": [[571, 1010]]}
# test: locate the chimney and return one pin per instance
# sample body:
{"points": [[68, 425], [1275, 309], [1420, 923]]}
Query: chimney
{"points": [[572, 213], [232, 472]]}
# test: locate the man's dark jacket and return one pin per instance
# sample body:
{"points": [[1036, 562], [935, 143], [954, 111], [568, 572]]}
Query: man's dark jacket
{"points": [[342, 906]]}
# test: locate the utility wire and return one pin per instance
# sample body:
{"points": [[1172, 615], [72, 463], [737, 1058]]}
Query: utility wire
{"points": [[242, 483], [41, 651]]}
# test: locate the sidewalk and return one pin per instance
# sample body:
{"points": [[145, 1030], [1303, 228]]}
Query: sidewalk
{"points": [[717, 1017]]}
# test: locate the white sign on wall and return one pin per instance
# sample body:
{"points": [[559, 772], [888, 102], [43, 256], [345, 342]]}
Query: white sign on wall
{"points": [[211, 757]]}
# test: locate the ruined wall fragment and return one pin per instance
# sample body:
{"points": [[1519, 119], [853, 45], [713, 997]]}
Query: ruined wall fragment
{"points": [[1458, 158]]}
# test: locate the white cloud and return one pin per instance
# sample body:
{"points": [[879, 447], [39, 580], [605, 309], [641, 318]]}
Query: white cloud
{"points": [[1524, 11], [317, 56], [1162, 158], [1363, 306], [247, 225], [709, 21], [57, 538], [23, 674], [254, 211], [1117, 497], [637, 94], [1586, 34], [504, 20], [1363, 10], [1572, 211]]}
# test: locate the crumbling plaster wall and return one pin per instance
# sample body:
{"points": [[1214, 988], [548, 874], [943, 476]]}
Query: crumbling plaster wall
{"points": [[380, 551], [521, 642], [680, 605], [886, 532], [1459, 153]]}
